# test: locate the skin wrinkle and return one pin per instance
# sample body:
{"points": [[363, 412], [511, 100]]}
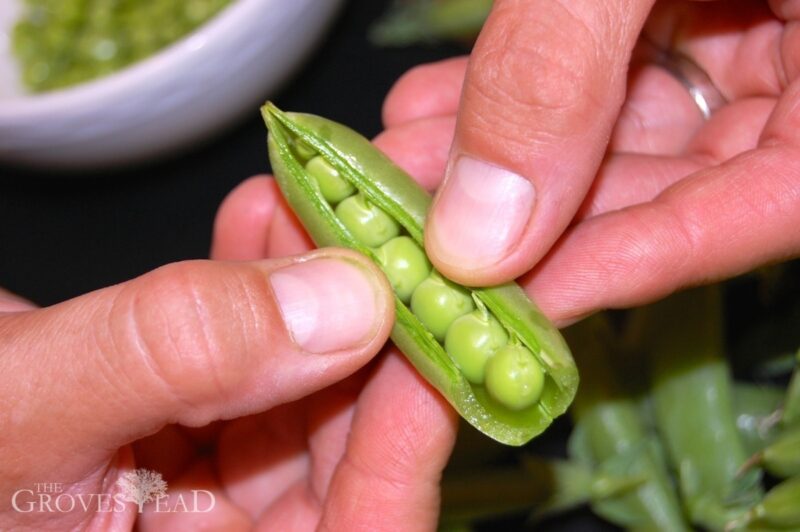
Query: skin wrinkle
{"points": [[101, 368], [756, 165], [320, 480], [71, 372], [255, 291], [783, 200], [500, 69], [145, 353], [141, 353], [609, 45], [19, 410], [123, 311], [515, 151], [254, 326], [396, 484], [679, 234], [403, 448], [249, 303], [210, 351], [205, 356]]}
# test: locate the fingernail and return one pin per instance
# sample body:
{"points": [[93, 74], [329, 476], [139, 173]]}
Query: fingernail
{"points": [[327, 304], [481, 214]]}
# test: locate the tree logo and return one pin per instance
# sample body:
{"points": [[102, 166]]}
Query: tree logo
{"points": [[141, 486]]}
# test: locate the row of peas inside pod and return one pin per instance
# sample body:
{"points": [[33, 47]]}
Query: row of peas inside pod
{"points": [[478, 344]]}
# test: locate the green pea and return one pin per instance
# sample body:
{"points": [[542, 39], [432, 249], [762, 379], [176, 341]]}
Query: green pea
{"points": [[366, 222], [437, 303], [471, 340], [80, 40], [514, 377], [303, 150], [334, 189], [405, 264]]}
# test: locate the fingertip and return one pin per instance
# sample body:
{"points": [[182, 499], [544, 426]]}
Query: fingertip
{"points": [[478, 222], [241, 226], [420, 148], [427, 90], [402, 435], [287, 236], [333, 300], [10, 302]]}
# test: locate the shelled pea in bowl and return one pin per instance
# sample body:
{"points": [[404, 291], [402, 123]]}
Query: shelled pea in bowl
{"points": [[99, 83]]}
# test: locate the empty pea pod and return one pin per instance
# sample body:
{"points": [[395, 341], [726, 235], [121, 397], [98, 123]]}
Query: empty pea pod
{"points": [[384, 216]]}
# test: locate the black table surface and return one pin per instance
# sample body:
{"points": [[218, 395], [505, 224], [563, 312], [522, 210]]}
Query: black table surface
{"points": [[64, 235]]}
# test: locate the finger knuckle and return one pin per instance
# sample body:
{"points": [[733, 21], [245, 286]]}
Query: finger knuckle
{"points": [[188, 329], [532, 66]]}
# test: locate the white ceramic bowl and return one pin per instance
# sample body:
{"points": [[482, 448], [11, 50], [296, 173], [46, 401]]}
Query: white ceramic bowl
{"points": [[225, 68]]}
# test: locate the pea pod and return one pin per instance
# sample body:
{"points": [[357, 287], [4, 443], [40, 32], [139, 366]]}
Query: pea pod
{"points": [[425, 21], [611, 437], [781, 457], [778, 510], [382, 185], [692, 398], [791, 406], [756, 407]]}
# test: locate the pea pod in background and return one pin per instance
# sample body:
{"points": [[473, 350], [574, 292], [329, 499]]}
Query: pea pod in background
{"points": [[413, 21], [780, 509], [756, 408], [780, 458], [611, 437], [347, 193], [791, 405], [693, 405]]}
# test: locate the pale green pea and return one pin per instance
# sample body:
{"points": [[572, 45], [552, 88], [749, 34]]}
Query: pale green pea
{"points": [[405, 264], [471, 340], [514, 378], [78, 40], [366, 222], [334, 189], [303, 150], [437, 303]]}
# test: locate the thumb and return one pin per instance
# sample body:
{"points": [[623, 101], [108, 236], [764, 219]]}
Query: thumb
{"points": [[188, 343], [543, 88]]}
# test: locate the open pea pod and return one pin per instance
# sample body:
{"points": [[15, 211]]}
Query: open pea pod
{"points": [[298, 143]]}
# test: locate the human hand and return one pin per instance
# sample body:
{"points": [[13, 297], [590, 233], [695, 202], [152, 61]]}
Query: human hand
{"points": [[573, 157], [311, 440]]}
